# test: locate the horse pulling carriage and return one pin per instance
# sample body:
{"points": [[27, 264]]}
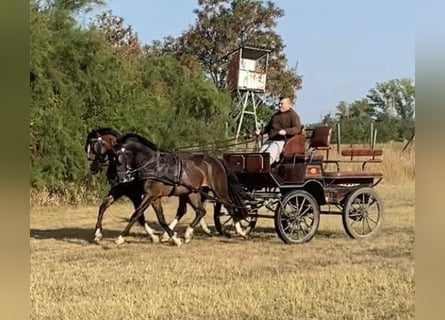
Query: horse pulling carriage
{"points": [[292, 192]]}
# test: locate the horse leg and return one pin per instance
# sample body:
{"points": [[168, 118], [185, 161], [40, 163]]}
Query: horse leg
{"points": [[227, 193], [239, 229], [136, 199], [196, 203], [135, 216], [113, 195], [182, 209], [203, 222], [160, 214]]}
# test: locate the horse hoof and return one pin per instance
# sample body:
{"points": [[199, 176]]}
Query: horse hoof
{"points": [[98, 237], [165, 237], [177, 241], [154, 239], [187, 240], [119, 240]]}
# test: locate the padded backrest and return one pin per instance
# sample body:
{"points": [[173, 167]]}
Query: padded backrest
{"points": [[294, 145], [321, 137]]}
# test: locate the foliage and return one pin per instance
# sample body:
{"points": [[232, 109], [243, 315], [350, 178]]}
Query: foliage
{"points": [[221, 27], [86, 78], [390, 106]]}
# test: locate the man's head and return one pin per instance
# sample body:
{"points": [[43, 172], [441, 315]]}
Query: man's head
{"points": [[285, 104]]}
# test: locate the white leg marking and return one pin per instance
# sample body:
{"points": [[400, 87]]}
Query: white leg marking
{"points": [[98, 235], [176, 240], [205, 227], [173, 224], [120, 240], [239, 230], [188, 234], [165, 237], [151, 233]]}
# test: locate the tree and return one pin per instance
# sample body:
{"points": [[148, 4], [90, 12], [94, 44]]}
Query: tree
{"points": [[222, 26], [393, 102], [355, 121], [395, 97], [121, 37]]}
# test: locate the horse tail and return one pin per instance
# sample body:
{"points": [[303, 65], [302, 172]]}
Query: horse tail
{"points": [[237, 194]]}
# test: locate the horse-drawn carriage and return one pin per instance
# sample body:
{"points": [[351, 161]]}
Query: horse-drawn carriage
{"points": [[294, 191]]}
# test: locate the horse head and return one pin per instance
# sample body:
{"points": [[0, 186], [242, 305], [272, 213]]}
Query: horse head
{"points": [[99, 144], [134, 154], [124, 161]]}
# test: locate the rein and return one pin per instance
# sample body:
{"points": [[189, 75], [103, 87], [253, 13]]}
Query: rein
{"points": [[209, 147]]}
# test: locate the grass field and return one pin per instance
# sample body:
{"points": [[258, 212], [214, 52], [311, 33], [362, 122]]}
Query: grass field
{"points": [[331, 277]]}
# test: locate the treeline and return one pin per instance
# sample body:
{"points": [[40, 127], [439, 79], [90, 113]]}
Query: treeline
{"points": [[389, 108], [83, 78]]}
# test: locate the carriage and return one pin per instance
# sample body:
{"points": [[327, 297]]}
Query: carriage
{"points": [[301, 186]]}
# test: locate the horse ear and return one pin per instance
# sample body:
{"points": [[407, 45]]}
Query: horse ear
{"points": [[98, 147]]}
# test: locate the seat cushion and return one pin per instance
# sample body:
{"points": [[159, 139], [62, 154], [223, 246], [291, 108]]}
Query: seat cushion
{"points": [[296, 144]]}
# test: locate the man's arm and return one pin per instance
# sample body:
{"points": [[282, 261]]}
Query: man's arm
{"points": [[266, 129]]}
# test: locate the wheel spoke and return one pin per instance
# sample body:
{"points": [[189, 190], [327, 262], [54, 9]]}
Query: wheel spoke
{"points": [[294, 227], [305, 222], [363, 226], [287, 227], [303, 230], [369, 227], [306, 210], [302, 203], [368, 218], [370, 202], [294, 207]]}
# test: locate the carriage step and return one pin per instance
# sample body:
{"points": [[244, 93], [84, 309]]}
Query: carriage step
{"points": [[352, 174]]}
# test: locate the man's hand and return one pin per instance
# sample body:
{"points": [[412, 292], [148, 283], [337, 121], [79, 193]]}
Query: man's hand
{"points": [[257, 132], [282, 132]]}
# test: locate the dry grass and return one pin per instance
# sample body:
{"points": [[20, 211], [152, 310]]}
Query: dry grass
{"points": [[71, 194], [332, 277]]}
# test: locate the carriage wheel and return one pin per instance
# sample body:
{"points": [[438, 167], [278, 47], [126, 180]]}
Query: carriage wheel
{"points": [[362, 213], [297, 218], [224, 221]]}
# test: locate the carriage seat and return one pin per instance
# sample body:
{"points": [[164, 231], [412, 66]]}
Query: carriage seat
{"points": [[294, 149]]}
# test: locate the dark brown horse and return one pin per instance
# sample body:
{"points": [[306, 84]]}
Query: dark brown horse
{"points": [[99, 148], [166, 174]]}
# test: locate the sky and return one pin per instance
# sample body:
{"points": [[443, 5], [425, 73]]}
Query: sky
{"points": [[343, 47]]}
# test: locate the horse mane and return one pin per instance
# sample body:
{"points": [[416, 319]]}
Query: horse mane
{"points": [[141, 140], [102, 131]]}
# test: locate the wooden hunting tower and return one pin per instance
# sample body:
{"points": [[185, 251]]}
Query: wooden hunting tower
{"points": [[247, 68], [246, 76]]}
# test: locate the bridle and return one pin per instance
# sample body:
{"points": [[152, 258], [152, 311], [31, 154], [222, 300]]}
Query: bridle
{"points": [[97, 150]]}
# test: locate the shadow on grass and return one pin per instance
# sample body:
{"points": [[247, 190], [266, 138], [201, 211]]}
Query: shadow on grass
{"points": [[67, 234], [86, 235]]}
